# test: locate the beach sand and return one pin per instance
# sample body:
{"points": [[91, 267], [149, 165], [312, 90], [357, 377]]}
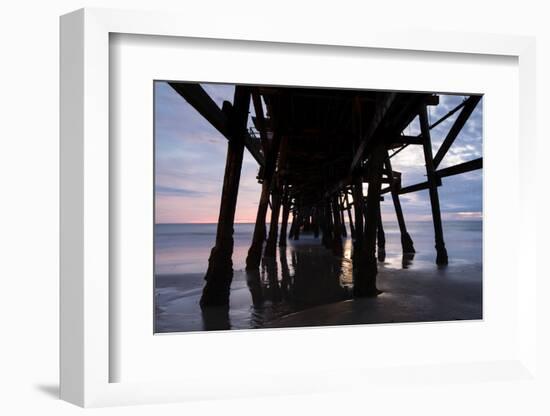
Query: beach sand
{"points": [[305, 285]]}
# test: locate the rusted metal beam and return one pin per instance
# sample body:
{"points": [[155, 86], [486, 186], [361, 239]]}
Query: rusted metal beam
{"points": [[199, 99]]}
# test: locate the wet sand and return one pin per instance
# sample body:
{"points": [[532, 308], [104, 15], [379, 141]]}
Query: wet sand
{"points": [[305, 285]]}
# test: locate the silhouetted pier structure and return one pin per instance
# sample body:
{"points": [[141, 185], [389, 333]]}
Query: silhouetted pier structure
{"points": [[315, 149]]}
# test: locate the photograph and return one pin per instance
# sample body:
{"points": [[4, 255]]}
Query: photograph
{"points": [[293, 206]]}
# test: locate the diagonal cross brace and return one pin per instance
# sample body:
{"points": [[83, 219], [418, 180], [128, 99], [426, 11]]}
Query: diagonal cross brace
{"points": [[199, 99], [469, 107]]}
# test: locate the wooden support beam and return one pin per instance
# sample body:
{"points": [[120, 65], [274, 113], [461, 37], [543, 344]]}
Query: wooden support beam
{"points": [[469, 166], [364, 262], [279, 162], [414, 188], [199, 99], [383, 105], [461, 168], [220, 265], [270, 245], [469, 107], [284, 220], [337, 246], [350, 220], [406, 240], [449, 114], [254, 256], [442, 257], [292, 225], [403, 140], [380, 239], [260, 119], [432, 100], [342, 219], [254, 283], [315, 219]]}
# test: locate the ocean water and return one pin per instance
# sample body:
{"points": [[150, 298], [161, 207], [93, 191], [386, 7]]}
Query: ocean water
{"points": [[304, 276], [185, 248]]}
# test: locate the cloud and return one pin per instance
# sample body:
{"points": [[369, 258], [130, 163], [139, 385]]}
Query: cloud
{"points": [[190, 160], [167, 190]]}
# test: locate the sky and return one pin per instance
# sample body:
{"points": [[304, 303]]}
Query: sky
{"points": [[190, 161]]}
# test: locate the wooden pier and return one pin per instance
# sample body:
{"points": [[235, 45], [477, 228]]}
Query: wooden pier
{"points": [[316, 149]]}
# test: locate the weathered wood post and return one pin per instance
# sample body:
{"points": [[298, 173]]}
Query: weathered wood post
{"points": [[272, 271], [297, 225], [270, 245], [307, 223], [348, 209], [365, 279], [220, 265], [358, 255], [337, 247], [292, 225], [315, 222], [406, 240], [329, 225], [254, 283], [285, 274], [284, 221], [254, 256], [342, 219], [381, 238], [433, 182]]}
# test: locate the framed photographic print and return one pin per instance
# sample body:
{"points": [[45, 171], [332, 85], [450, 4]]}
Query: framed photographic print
{"points": [[221, 263], [321, 214]]}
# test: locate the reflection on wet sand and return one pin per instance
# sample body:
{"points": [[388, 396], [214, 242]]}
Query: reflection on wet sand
{"points": [[407, 260], [215, 318], [305, 284], [301, 276]]}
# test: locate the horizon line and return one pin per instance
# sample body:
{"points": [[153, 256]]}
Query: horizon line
{"points": [[267, 222]]}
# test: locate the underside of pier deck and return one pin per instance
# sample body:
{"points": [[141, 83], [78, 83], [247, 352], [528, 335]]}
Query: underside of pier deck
{"points": [[323, 156]]}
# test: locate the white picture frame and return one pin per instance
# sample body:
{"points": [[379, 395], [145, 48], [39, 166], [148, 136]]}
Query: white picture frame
{"points": [[86, 355]]}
